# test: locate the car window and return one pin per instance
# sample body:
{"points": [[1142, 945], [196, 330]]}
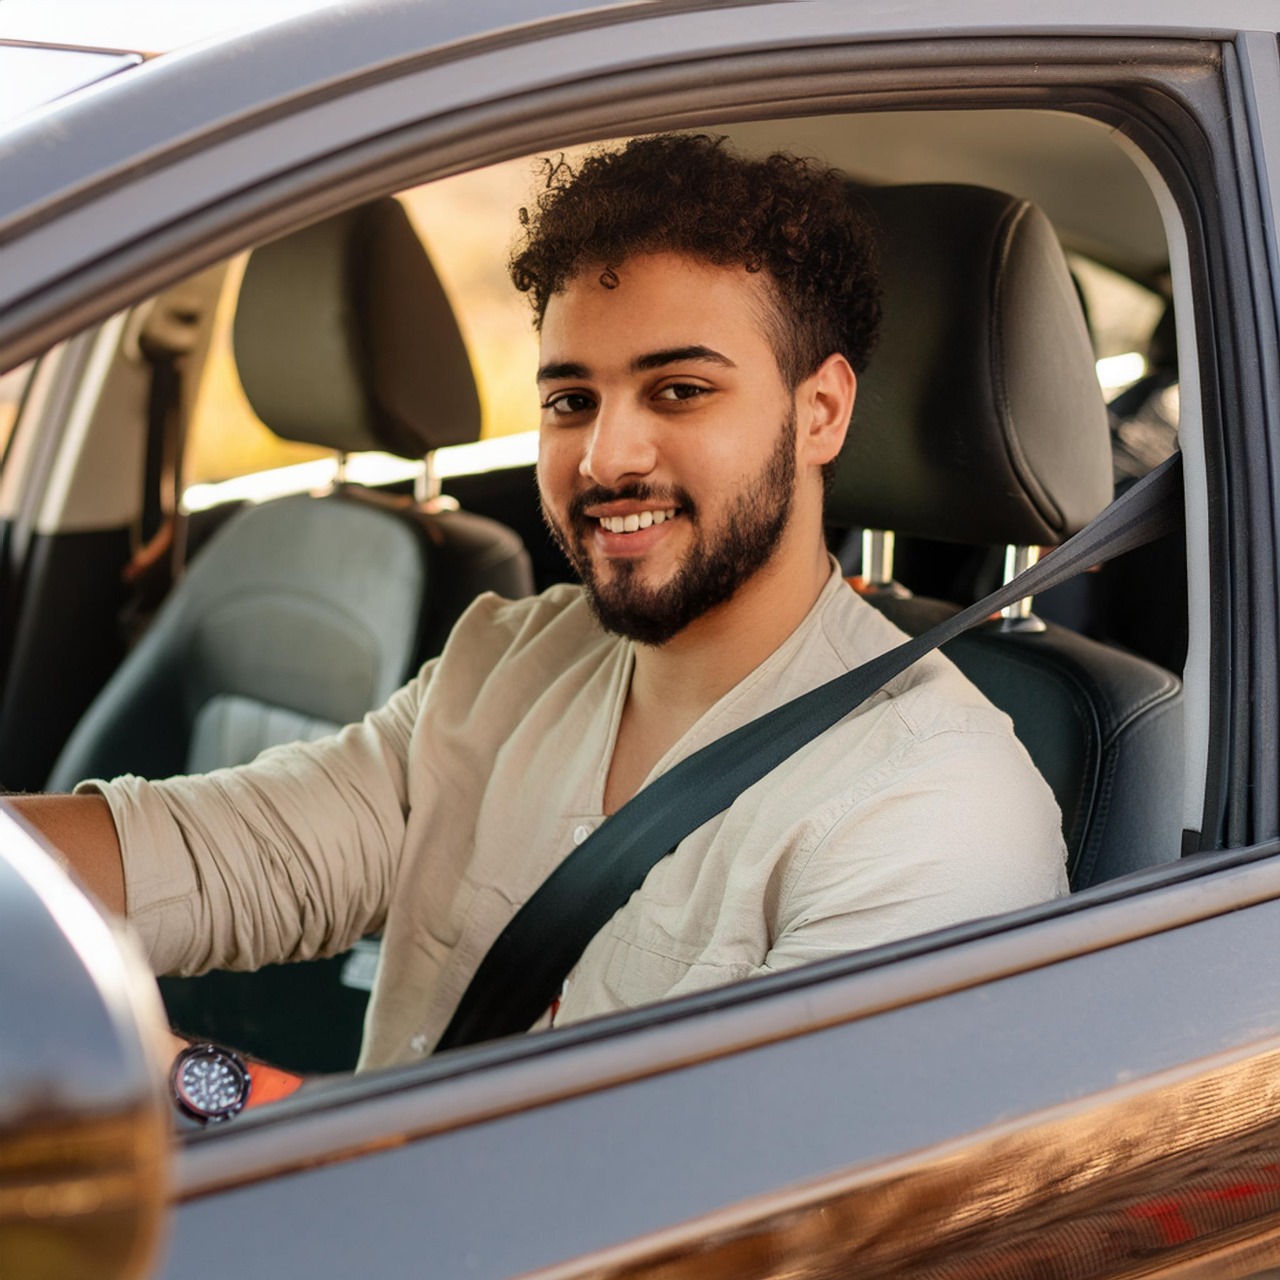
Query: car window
{"points": [[466, 222], [13, 386], [1123, 314]]}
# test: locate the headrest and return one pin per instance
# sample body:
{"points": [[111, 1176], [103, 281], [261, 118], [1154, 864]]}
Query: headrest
{"points": [[344, 338], [980, 418]]}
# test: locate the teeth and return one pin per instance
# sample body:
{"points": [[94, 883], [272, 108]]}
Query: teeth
{"points": [[635, 521]]}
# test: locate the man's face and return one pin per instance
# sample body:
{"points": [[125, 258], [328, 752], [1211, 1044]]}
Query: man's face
{"points": [[667, 456]]}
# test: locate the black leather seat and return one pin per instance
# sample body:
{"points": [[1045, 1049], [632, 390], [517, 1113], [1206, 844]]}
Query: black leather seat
{"points": [[302, 614], [980, 421]]}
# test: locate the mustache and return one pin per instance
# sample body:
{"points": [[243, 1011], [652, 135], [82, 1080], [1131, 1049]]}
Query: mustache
{"points": [[597, 494]]}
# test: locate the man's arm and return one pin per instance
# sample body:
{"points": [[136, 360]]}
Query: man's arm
{"points": [[81, 829], [287, 857]]}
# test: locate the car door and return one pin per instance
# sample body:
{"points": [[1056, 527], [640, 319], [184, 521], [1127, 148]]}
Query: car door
{"points": [[1082, 1089]]}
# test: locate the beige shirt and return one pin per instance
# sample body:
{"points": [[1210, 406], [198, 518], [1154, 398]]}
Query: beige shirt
{"points": [[436, 817]]}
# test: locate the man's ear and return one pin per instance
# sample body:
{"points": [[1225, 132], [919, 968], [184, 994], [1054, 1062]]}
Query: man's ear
{"points": [[824, 403]]}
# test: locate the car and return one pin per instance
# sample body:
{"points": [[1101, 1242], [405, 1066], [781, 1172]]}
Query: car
{"points": [[1090, 1087]]}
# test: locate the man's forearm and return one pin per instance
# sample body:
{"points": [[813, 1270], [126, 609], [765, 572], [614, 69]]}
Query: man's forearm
{"points": [[82, 830]]}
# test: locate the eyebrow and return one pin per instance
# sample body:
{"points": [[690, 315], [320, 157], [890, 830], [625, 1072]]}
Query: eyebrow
{"points": [[680, 355], [562, 369], [641, 364]]}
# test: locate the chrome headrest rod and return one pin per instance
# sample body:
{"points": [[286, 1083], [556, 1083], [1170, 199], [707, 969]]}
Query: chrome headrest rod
{"points": [[426, 484], [877, 564], [1019, 617]]}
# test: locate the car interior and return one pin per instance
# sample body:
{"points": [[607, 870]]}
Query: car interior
{"points": [[1022, 251]]}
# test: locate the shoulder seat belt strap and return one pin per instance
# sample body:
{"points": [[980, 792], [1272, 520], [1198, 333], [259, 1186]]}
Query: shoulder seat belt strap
{"points": [[525, 968]]}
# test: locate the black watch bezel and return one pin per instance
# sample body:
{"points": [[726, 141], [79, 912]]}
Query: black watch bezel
{"points": [[210, 1053]]}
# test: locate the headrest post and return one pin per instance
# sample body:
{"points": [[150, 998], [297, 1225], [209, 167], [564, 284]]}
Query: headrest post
{"points": [[876, 578], [877, 558], [426, 484], [340, 470], [1018, 616]]}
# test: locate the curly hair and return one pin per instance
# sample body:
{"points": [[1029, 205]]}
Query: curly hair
{"points": [[688, 193]]}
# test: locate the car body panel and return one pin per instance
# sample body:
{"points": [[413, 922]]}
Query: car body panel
{"points": [[845, 1110]]}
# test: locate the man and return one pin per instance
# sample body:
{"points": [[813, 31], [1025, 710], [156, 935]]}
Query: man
{"points": [[702, 319]]}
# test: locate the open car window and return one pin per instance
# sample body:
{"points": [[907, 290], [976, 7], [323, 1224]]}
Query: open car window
{"points": [[13, 386], [465, 223]]}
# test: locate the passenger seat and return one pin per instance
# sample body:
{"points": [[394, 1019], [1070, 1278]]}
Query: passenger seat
{"points": [[301, 614]]}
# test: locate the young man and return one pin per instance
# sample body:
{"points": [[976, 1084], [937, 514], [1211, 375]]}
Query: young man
{"points": [[702, 319]]}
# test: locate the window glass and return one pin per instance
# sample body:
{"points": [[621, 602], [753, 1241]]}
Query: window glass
{"points": [[13, 386], [1122, 315], [468, 223]]}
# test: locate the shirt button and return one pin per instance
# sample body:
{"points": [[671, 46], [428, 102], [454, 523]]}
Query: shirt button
{"points": [[580, 833], [418, 1044]]}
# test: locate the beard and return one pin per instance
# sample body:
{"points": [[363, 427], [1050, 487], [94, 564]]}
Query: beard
{"points": [[718, 562]]}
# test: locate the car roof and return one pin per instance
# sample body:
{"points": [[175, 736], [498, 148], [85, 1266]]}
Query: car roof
{"points": [[41, 43], [149, 103]]}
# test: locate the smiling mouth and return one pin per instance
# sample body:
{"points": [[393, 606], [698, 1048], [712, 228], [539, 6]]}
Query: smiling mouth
{"points": [[637, 520]]}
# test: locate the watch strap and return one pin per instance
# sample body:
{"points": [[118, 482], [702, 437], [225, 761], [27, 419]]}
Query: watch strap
{"points": [[270, 1084]]}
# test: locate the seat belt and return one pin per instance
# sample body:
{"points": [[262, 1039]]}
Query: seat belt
{"points": [[525, 969]]}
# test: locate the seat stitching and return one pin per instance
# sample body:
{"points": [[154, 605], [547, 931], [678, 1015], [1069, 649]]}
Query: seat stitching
{"points": [[1040, 501], [1165, 695]]}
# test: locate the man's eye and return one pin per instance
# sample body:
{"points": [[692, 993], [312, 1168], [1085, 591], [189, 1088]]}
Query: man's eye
{"points": [[569, 402], [682, 391]]}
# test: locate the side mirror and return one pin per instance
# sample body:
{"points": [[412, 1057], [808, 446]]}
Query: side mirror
{"points": [[84, 1127]]}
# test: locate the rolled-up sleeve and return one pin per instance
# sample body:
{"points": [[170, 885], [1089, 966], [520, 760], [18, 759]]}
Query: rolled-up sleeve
{"points": [[287, 858]]}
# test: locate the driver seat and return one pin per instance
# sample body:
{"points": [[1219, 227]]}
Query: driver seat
{"points": [[980, 421]]}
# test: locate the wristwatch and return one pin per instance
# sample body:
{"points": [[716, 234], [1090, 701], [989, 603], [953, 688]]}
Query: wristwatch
{"points": [[209, 1083]]}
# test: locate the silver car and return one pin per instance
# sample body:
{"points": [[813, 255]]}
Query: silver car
{"points": [[1084, 1089]]}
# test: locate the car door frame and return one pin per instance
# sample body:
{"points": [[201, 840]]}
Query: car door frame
{"points": [[60, 228]]}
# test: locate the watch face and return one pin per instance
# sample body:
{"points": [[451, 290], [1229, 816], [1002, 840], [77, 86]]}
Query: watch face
{"points": [[210, 1083]]}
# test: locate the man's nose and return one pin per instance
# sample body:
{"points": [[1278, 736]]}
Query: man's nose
{"points": [[620, 447]]}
